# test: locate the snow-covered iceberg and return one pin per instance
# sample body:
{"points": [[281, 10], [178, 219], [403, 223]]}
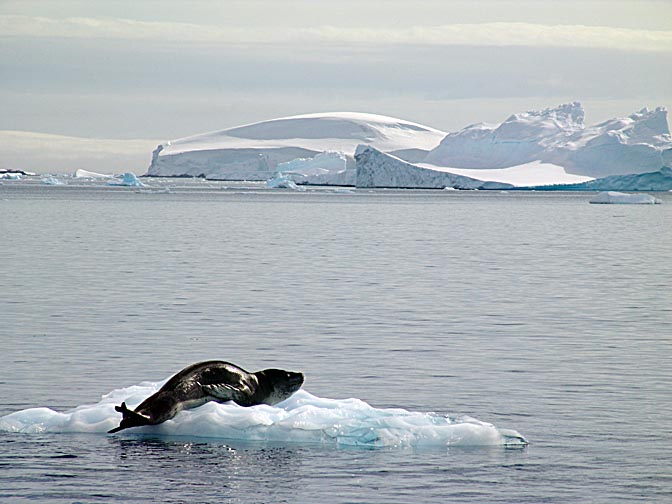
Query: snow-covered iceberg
{"points": [[253, 151], [639, 143], [520, 139], [303, 418], [378, 169], [619, 198]]}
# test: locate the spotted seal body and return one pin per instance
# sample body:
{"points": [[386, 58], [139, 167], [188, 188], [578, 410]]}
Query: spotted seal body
{"points": [[210, 381]]}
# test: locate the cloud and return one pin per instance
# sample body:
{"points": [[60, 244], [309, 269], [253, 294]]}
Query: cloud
{"points": [[483, 34], [44, 153]]}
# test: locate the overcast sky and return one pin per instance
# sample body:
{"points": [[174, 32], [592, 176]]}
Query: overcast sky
{"points": [[167, 69]]}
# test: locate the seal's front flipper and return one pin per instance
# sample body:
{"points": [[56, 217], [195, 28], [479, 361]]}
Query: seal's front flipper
{"points": [[223, 392]]}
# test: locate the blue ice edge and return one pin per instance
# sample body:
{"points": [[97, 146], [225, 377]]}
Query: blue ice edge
{"points": [[303, 418]]}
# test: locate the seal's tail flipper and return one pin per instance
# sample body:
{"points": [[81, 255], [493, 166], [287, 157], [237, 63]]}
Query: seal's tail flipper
{"points": [[129, 419]]}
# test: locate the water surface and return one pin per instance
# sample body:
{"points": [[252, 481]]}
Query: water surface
{"points": [[533, 311]]}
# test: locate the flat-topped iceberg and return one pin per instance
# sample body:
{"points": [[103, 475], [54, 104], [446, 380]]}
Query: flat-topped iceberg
{"points": [[253, 151], [303, 418], [619, 198], [91, 175]]}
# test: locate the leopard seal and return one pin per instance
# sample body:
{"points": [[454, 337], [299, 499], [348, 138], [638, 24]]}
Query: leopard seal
{"points": [[207, 381]]}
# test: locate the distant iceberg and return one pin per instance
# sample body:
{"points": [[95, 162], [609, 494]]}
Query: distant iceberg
{"points": [[128, 179], [10, 173], [639, 143], [254, 151], [619, 198], [51, 180], [91, 175], [281, 181], [11, 176], [522, 138], [303, 418], [655, 181]]}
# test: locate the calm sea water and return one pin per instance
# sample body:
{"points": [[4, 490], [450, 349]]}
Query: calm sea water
{"points": [[534, 311]]}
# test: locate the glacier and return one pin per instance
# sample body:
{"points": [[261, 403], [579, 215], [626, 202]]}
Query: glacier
{"points": [[303, 418], [534, 149]]}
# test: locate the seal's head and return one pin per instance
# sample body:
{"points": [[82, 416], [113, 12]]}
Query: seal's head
{"points": [[278, 384]]}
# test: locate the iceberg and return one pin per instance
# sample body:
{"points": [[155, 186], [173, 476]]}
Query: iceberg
{"points": [[281, 181], [91, 175], [378, 169], [656, 181], [11, 176], [128, 179], [303, 418], [51, 180], [520, 139], [639, 143], [619, 198], [254, 151], [10, 173], [326, 168]]}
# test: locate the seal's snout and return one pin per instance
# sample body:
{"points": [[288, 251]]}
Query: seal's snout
{"points": [[296, 379]]}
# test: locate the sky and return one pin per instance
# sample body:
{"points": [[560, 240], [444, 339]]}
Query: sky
{"points": [[150, 71]]}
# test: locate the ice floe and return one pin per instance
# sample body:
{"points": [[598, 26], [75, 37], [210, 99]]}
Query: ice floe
{"points": [[303, 418]]}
